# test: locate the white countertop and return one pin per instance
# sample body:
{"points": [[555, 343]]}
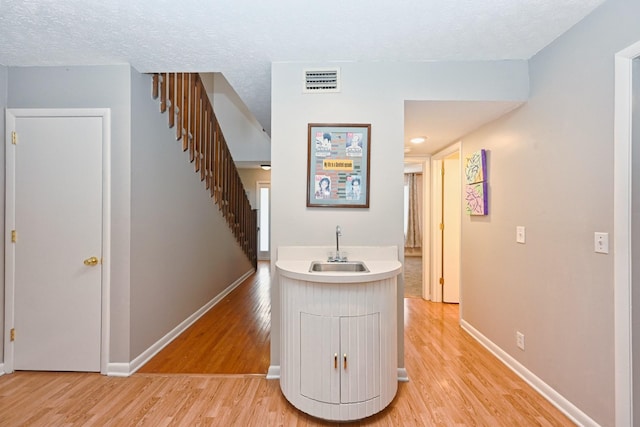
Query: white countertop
{"points": [[382, 262]]}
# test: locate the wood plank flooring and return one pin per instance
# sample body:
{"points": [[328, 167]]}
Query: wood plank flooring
{"points": [[231, 338], [453, 382]]}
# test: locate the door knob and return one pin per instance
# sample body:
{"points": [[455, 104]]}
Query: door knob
{"points": [[91, 261]]}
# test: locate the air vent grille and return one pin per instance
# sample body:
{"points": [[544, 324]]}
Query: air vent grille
{"points": [[322, 80]]}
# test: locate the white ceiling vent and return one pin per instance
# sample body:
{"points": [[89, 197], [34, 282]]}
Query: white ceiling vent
{"points": [[321, 80]]}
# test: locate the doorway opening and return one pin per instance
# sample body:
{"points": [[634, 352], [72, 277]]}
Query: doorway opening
{"points": [[415, 197], [446, 215]]}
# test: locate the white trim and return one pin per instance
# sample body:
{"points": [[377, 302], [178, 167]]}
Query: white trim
{"points": [[622, 233], [146, 355], [118, 369], [105, 114], [263, 255], [9, 220], [403, 375], [274, 372], [106, 240], [546, 391]]}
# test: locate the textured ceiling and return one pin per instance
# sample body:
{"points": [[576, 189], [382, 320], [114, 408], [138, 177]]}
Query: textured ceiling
{"points": [[241, 38]]}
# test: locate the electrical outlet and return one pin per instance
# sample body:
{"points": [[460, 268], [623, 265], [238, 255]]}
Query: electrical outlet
{"points": [[520, 234], [520, 340]]}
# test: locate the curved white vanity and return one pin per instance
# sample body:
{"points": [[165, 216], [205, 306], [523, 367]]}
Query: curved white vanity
{"points": [[338, 354]]}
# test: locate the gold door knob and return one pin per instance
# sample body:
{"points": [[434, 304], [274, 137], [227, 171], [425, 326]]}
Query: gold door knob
{"points": [[91, 261]]}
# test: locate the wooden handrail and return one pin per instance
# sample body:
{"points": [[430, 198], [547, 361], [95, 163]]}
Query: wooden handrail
{"points": [[184, 96]]}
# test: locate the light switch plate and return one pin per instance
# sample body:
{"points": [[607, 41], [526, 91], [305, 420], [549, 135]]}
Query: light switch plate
{"points": [[520, 234], [601, 243]]}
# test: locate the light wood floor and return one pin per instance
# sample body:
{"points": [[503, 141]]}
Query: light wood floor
{"points": [[453, 381]]}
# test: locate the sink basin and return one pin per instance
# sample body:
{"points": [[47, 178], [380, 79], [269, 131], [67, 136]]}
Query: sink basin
{"points": [[342, 267]]}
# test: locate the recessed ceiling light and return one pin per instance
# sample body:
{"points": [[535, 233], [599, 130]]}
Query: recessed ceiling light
{"points": [[418, 140]]}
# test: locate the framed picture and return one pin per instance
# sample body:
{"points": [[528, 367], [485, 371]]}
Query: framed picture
{"points": [[338, 165]]}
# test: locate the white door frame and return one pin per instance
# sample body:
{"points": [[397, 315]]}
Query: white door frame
{"points": [[436, 205], [105, 115], [262, 255], [622, 234]]}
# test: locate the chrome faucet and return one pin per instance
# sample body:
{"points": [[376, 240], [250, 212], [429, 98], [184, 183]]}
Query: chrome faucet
{"points": [[337, 257]]}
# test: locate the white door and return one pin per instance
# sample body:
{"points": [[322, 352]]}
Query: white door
{"points": [[54, 204], [451, 240], [360, 358]]}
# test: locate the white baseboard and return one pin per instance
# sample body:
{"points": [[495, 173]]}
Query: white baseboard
{"points": [[126, 369], [403, 375], [556, 399], [118, 369], [274, 372]]}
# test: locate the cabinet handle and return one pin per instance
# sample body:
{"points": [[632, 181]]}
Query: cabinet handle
{"points": [[335, 361], [345, 360]]}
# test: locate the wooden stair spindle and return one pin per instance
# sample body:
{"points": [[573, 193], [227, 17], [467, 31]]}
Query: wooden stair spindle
{"points": [[155, 90], [186, 111], [179, 100], [171, 101], [163, 92]]}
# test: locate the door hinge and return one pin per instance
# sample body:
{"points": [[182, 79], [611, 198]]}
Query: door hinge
{"points": [[14, 137], [441, 226], [442, 280], [442, 170], [14, 236], [13, 334]]}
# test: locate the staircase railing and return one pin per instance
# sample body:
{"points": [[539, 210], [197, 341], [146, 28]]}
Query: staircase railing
{"points": [[190, 111]]}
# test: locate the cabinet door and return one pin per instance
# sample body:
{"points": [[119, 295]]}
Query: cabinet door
{"points": [[320, 357], [359, 358]]}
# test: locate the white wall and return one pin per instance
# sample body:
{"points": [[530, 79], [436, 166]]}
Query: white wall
{"points": [[550, 168], [182, 249], [248, 142], [371, 93]]}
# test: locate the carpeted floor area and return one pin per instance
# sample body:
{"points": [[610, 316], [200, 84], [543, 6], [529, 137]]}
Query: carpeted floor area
{"points": [[413, 276]]}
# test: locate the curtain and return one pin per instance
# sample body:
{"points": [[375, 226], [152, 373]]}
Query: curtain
{"points": [[413, 238]]}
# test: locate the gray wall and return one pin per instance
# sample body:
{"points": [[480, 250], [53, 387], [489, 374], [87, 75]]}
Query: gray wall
{"points": [[164, 264], [550, 168], [635, 239], [370, 93], [94, 87], [182, 250]]}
